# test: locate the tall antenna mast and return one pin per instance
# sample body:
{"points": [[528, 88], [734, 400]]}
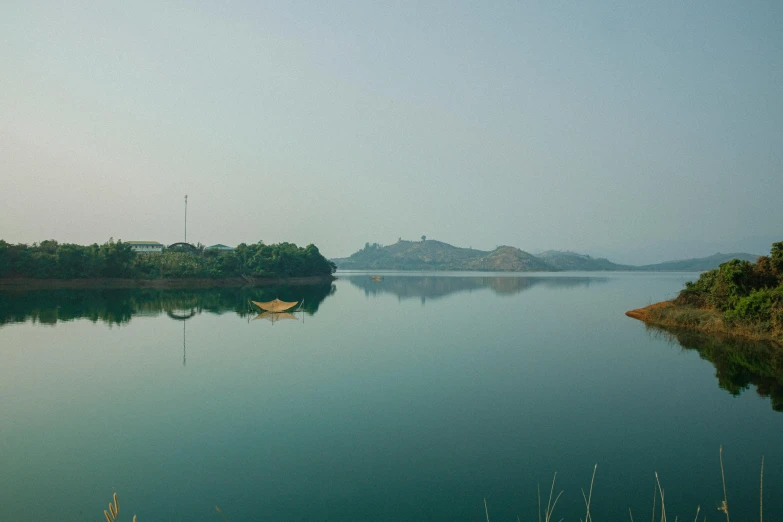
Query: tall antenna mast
{"points": [[186, 218]]}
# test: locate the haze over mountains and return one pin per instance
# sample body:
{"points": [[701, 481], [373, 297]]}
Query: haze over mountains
{"points": [[436, 255]]}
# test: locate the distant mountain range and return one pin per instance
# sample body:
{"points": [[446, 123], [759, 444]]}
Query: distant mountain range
{"points": [[436, 255], [698, 264]]}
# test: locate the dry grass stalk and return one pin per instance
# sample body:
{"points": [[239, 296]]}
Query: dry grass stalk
{"points": [[698, 508], [590, 497], [663, 502], [539, 502], [655, 490], [550, 507], [114, 510], [221, 513], [725, 506], [761, 492], [630, 514], [485, 509]]}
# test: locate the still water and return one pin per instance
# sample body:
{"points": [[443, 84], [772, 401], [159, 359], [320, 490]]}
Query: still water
{"points": [[414, 397]]}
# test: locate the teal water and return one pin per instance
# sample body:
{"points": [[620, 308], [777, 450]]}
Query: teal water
{"points": [[411, 398]]}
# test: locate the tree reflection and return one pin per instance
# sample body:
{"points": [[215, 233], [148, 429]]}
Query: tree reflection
{"points": [[118, 306], [738, 363]]}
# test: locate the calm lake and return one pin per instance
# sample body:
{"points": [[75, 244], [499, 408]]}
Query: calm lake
{"points": [[414, 397]]}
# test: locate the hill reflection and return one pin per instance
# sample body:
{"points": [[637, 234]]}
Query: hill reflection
{"points": [[437, 286], [739, 364], [118, 306]]}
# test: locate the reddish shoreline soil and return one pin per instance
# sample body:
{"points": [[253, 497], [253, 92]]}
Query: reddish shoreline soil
{"points": [[711, 324], [643, 314], [42, 284]]}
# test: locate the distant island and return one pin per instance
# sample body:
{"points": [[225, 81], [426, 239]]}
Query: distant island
{"points": [[430, 254], [49, 262], [738, 299]]}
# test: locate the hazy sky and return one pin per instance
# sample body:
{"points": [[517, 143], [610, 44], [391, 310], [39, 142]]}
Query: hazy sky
{"points": [[590, 126]]}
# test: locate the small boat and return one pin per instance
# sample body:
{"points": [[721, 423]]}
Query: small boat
{"points": [[275, 306], [376, 278]]}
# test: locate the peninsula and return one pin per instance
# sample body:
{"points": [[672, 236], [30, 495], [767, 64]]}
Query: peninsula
{"points": [[737, 299]]}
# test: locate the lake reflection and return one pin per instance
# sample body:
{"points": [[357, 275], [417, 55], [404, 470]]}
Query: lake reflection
{"points": [[440, 285], [739, 363], [374, 407], [118, 306]]}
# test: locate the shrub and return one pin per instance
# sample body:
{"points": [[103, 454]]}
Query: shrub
{"points": [[754, 308], [733, 281], [692, 295]]}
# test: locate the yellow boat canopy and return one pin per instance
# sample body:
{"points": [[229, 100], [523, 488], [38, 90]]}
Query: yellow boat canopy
{"points": [[275, 306]]}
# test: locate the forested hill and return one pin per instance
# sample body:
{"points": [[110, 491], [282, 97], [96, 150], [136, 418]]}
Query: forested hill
{"points": [[411, 255], [436, 255], [574, 261]]}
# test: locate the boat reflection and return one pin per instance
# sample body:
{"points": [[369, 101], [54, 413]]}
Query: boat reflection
{"points": [[274, 317]]}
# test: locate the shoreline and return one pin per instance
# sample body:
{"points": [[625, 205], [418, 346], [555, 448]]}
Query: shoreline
{"points": [[667, 314], [23, 283], [643, 314]]}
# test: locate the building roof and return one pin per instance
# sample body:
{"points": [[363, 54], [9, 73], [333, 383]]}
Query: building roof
{"points": [[144, 243], [220, 246]]}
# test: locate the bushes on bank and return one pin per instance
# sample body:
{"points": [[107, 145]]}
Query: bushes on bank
{"points": [[746, 293], [52, 260]]}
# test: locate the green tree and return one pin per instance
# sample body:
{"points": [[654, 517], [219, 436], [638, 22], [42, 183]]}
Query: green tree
{"points": [[5, 258], [116, 259], [776, 258]]}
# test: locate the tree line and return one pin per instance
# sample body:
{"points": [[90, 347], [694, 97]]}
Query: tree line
{"points": [[116, 259]]}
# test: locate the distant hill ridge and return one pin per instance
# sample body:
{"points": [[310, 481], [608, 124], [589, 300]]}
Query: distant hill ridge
{"points": [[431, 254], [699, 264], [573, 261]]}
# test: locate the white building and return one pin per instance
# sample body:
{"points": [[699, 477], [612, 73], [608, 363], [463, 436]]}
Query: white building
{"points": [[146, 246]]}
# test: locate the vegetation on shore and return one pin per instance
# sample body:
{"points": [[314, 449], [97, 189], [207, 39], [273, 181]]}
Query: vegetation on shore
{"points": [[738, 298], [115, 259]]}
